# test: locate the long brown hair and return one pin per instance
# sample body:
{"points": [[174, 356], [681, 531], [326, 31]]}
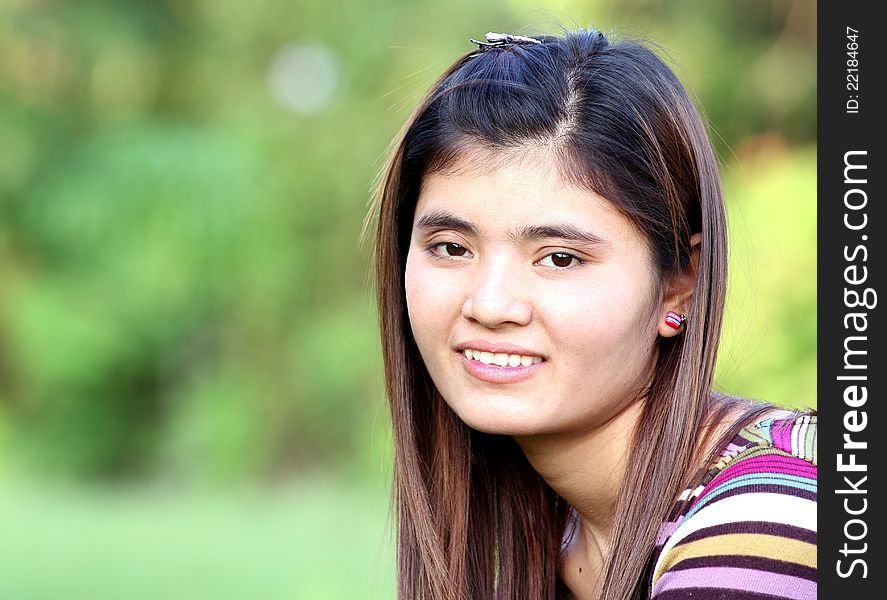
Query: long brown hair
{"points": [[474, 520]]}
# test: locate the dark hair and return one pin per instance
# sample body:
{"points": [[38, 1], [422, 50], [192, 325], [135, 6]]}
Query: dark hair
{"points": [[474, 519]]}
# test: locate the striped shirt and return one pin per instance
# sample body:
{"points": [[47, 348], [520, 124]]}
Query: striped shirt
{"points": [[747, 529]]}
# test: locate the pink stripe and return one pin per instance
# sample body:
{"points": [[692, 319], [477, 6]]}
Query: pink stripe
{"points": [[788, 465], [781, 432], [764, 465], [784, 465], [731, 578]]}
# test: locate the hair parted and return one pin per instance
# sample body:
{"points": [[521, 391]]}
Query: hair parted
{"points": [[474, 520]]}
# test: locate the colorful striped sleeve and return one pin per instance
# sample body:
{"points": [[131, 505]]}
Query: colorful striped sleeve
{"points": [[750, 532]]}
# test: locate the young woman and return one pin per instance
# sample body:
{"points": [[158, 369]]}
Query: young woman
{"points": [[551, 261]]}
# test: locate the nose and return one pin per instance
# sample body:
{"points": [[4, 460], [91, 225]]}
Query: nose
{"points": [[498, 297]]}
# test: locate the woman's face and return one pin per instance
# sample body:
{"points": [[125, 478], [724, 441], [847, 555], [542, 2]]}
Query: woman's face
{"points": [[534, 304]]}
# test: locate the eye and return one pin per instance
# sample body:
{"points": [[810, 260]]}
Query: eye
{"points": [[560, 260], [449, 250]]}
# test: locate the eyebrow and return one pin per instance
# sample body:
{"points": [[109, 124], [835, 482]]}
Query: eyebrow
{"points": [[562, 231], [443, 220]]}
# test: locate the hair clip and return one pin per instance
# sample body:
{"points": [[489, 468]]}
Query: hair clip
{"points": [[503, 39]]}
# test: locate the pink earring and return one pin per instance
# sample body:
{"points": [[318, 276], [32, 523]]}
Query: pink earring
{"points": [[674, 320]]}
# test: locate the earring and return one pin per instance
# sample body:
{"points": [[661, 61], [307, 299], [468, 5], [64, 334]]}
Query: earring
{"points": [[674, 320]]}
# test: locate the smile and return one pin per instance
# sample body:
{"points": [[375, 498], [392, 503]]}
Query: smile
{"points": [[500, 367], [501, 359]]}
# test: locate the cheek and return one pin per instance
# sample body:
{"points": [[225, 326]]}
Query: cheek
{"points": [[612, 320], [429, 298], [415, 293], [602, 304]]}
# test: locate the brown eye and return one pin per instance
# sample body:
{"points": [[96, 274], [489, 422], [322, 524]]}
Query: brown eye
{"points": [[560, 260], [450, 249]]}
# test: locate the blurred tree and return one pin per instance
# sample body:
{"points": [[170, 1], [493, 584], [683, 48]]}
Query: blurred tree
{"points": [[183, 183]]}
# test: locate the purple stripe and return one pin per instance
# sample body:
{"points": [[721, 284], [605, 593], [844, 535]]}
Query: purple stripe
{"points": [[730, 578], [709, 594], [758, 563], [666, 531], [733, 449]]}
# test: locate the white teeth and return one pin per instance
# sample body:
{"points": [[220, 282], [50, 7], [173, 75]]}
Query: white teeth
{"points": [[501, 358]]}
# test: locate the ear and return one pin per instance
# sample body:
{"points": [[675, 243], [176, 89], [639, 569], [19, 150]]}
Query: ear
{"points": [[679, 290]]}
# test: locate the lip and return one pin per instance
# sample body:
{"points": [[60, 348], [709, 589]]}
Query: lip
{"points": [[497, 374], [494, 373]]}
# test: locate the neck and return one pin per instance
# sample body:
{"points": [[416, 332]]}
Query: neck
{"points": [[587, 468]]}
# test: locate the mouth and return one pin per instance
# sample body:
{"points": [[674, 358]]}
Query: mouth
{"points": [[501, 359], [500, 367]]}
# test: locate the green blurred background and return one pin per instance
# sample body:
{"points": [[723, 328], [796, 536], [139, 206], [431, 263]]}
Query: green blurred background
{"points": [[190, 395]]}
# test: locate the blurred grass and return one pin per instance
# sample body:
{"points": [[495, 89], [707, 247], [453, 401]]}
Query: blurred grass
{"points": [[321, 539], [768, 350]]}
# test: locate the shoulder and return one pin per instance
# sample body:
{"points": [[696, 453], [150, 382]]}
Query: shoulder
{"points": [[749, 530]]}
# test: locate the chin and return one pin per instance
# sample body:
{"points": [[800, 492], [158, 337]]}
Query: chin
{"points": [[499, 416]]}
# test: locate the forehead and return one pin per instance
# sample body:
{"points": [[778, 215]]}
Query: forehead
{"points": [[516, 188], [473, 161]]}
